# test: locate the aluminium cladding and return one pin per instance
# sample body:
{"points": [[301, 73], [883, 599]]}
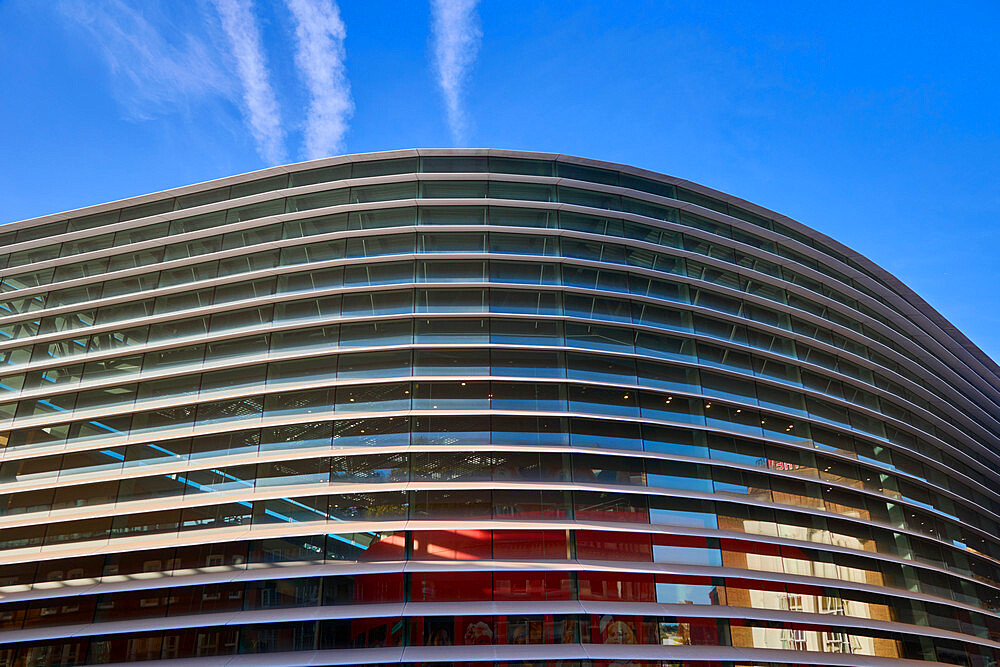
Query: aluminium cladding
{"points": [[430, 406]]}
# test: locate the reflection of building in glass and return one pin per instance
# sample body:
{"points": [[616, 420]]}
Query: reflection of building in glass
{"points": [[456, 406]]}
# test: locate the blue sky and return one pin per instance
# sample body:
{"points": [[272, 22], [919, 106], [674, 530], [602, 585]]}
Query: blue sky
{"points": [[876, 123]]}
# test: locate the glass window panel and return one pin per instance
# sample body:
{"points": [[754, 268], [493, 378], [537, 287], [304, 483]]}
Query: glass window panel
{"points": [[604, 435], [449, 330], [686, 550], [522, 191], [671, 378], [617, 586], [375, 246], [179, 329], [379, 468], [451, 430], [378, 432], [452, 189], [618, 507], [683, 442], [369, 304], [451, 362], [529, 431], [144, 210], [451, 163], [248, 346], [320, 251], [313, 435], [81, 270], [367, 168], [318, 200], [599, 337], [381, 273], [151, 488], [444, 466], [449, 504], [734, 418], [589, 198], [305, 471], [451, 301], [605, 400], [672, 408], [202, 198], [373, 398], [452, 215], [371, 334], [591, 278], [87, 244], [504, 165], [319, 225], [317, 402], [527, 363], [93, 221], [301, 339], [662, 317], [321, 175], [523, 244], [665, 347], [522, 217], [178, 356], [728, 387], [451, 271], [530, 273], [524, 504], [528, 396], [600, 368], [183, 301], [298, 371], [375, 364], [451, 396], [253, 211], [307, 309], [601, 469], [526, 331], [382, 192], [313, 280], [247, 318]]}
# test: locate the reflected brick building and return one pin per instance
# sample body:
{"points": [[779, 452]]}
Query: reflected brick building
{"points": [[482, 407]]}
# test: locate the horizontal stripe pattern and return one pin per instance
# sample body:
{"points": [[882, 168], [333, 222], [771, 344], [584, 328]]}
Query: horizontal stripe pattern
{"points": [[318, 372]]}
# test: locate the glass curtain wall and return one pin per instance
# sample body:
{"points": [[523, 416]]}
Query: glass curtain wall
{"points": [[435, 407]]}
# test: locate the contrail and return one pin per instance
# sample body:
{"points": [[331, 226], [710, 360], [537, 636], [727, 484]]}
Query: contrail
{"points": [[262, 110], [456, 42], [154, 71], [320, 55]]}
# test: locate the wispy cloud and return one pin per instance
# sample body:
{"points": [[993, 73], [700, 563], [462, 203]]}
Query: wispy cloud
{"points": [[154, 71], [319, 56], [456, 42], [262, 111]]}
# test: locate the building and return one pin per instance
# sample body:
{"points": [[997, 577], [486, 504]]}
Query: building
{"points": [[455, 406]]}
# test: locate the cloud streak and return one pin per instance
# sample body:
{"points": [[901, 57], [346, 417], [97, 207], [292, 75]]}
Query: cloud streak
{"points": [[151, 74], [455, 26], [320, 58], [261, 106]]}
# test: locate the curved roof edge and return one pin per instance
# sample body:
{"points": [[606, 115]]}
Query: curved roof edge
{"points": [[917, 302]]}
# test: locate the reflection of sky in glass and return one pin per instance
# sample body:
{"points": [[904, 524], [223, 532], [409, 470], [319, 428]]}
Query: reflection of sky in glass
{"points": [[686, 555]]}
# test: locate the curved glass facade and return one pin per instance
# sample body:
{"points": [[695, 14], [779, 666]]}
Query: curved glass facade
{"points": [[463, 406]]}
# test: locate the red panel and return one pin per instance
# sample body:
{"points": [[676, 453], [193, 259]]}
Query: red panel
{"points": [[617, 586], [452, 545], [532, 586], [609, 545], [530, 544], [451, 586]]}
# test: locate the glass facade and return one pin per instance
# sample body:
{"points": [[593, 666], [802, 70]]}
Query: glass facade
{"points": [[459, 407]]}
